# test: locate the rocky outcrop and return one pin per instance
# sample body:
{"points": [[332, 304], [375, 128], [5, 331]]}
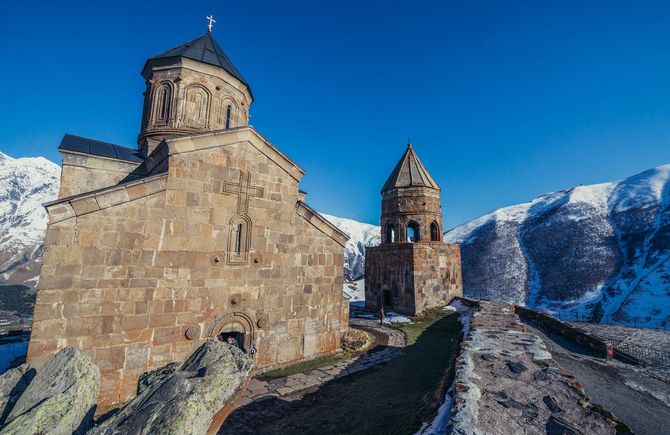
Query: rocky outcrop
{"points": [[12, 384], [157, 376], [507, 382], [60, 399], [189, 399]]}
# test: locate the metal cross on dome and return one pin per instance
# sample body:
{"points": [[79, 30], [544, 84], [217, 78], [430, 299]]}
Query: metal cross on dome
{"points": [[211, 20]]}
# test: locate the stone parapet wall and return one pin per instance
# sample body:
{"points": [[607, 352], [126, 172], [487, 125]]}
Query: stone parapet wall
{"points": [[575, 334], [507, 382]]}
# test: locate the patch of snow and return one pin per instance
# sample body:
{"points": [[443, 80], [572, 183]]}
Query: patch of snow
{"points": [[391, 318], [355, 290]]}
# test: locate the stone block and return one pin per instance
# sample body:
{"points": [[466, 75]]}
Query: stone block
{"points": [[61, 211], [113, 197], [85, 205]]}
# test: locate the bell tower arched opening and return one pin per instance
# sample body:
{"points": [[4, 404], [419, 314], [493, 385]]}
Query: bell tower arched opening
{"points": [[413, 232]]}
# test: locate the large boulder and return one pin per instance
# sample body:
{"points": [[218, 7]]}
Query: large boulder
{"points": [[60, 399], [12, 384], [156, 376], [187, 400]]}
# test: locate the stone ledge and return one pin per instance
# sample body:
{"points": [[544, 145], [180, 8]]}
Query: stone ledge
{"points": [[320, 223], [507, 382], [79, 205]]}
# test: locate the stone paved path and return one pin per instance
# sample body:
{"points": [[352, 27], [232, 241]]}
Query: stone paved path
{"points": [[508, 383], [259, 389]]}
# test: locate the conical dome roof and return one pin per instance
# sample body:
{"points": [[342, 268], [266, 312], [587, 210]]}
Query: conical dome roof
{"points": [[203, 49], [409, 172]]}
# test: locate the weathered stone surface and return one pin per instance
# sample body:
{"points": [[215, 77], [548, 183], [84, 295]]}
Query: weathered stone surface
{"points": [[12, 384], [154, 377], [60, 399], [522, 390], [187, 400]]}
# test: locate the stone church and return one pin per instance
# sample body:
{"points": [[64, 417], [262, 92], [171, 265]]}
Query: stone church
{"points": [[412, 269], [200, 232]]}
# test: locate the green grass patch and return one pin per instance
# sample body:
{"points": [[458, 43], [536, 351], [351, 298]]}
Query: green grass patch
{"points": [[420, 324]]}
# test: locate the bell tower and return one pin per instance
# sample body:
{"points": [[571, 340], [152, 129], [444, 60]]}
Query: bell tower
{"points": [[191, 88], [412, 269], [411, 210]]}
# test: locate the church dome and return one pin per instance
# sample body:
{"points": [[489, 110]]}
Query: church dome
{"points": [[191, 88]]}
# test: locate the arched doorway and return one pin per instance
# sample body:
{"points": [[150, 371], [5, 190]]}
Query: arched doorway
{"points": [[237, 326], [233, 333]]}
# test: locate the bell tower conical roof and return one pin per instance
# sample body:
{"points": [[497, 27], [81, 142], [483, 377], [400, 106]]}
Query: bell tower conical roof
{"points": [[409, 172]]}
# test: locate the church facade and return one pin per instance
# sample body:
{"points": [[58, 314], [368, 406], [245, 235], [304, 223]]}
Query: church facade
{"points": [[200, 232], [412, 269]]}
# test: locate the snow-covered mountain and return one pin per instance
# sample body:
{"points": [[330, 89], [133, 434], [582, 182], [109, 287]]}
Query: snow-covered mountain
{"points": [[599, 250], [361, 235], [25, 184]]}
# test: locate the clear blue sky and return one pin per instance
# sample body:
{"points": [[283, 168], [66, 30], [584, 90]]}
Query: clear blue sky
{"points": [[503, 100]]}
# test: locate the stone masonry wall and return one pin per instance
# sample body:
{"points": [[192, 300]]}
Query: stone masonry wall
{"points": [[416, 204], [389, 268], [419, 275], [138, 277], [185, 78], [83, 173], [437, 274]]}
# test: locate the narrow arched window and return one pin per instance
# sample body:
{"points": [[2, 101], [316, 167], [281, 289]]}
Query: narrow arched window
{"points": [[434, 232], [413, 233], [239, 241], [390, 233], [229, 112], [163, 100]]}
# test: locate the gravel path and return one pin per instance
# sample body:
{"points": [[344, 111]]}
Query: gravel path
{"points": [[637, 395]]}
